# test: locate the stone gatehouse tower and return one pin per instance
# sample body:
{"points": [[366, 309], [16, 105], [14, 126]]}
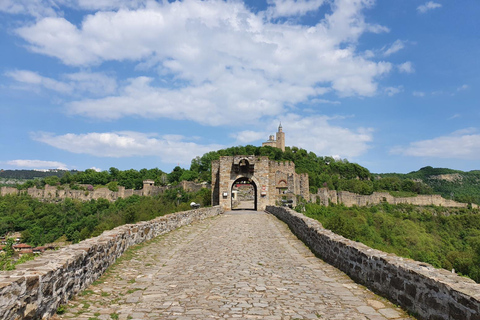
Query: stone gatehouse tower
{"points": [[272, 181]]}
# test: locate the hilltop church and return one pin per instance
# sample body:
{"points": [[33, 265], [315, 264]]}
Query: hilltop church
{"points": [[276, 143]]}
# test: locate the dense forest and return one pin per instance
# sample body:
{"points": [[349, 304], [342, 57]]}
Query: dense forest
{"points": [[42, 222], [451, 184], [446, 238]]}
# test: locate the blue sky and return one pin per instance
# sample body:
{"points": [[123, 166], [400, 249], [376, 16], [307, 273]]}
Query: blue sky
{"points": [[392, 85]]}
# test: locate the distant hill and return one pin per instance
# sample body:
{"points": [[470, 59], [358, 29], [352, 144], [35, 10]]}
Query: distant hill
{"points": [[451, 184], [32, 174]]}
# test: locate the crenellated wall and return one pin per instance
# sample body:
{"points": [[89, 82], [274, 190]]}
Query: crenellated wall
{"points": [[418, 287], [37, 288], [326, 196]]}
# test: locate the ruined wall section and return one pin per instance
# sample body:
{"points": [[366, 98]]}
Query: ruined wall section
{"points": [[418, 287], [52, 193], [37, 288], [349, 199]]}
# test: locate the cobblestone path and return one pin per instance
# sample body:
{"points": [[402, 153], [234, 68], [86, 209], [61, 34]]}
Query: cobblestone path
{"points": [[241, 265]]}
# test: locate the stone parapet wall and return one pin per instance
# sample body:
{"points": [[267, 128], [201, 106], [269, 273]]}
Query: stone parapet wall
{"points": [[37, 288], [421, 289], [349, 199]]}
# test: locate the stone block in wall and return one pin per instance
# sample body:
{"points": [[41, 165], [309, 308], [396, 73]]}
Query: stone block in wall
{"points": [[418, 287], [37, 288]]}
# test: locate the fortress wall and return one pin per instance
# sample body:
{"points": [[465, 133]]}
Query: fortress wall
{"points": [[418, 287], [349, 199], [53, 193], [37, 288], [8, 190]]}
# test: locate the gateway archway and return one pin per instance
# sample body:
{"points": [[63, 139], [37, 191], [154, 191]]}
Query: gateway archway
{"points": [[255, 181], [244, 194]]}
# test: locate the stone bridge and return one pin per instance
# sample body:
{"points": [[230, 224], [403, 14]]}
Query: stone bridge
{"points": [[236, 265]]}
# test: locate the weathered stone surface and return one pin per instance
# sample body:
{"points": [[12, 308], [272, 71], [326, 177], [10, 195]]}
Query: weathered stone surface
{"points": [[326, 196], [38, 287], [52, 193], [419, 287], [239, 265], [273, 180]]}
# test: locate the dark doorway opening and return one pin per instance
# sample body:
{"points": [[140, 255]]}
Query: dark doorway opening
{"points": [[244, 194]]}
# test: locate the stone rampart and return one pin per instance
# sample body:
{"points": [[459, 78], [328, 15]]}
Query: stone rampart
{"points": [[52, 193], [350, 199], [37, 288], [418, 287]]}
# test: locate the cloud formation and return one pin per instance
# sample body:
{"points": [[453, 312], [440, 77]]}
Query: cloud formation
{"points": [[430, 5], [406, 67], [288, 8], [37, 164], [97, 84], [214, 56], [395, 47], [322, 137], [48, 8], [462, 144], [169, 148]]}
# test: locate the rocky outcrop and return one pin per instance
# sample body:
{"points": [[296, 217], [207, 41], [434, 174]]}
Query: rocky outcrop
{"points": [[418, 287], [37, 288]]}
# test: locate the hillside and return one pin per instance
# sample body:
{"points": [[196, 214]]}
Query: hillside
{"points": [[451, 184], [336, 174]]}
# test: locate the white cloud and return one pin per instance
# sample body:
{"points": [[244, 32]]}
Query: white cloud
{"points": [[35, 8], [316, 134], [395, 47], [34, 79], [209, 45], [98, 84], [248, 136], [462, 144], [418, 94], [430, 5], [324, 101], [48, 8], [288, 8], [169, 148], [406, 67], [463, 87], [94, 83], [37, 164], [391, 91]]}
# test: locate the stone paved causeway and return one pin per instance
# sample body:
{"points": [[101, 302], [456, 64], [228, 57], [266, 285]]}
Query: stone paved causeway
{"points": [[240, 265]]}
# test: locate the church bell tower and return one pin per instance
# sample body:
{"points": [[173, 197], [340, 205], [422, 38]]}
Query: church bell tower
{"points": [[281, 138]]}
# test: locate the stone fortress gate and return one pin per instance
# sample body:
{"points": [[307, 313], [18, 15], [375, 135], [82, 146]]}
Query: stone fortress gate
{"points": [[271, 181]]}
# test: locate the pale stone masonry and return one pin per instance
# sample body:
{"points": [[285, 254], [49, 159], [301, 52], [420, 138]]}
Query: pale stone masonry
{"points": [[326, 197], [37, 288], [430, 293], [239, 265], [54, 193], [273, 181], [279, 142]]}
